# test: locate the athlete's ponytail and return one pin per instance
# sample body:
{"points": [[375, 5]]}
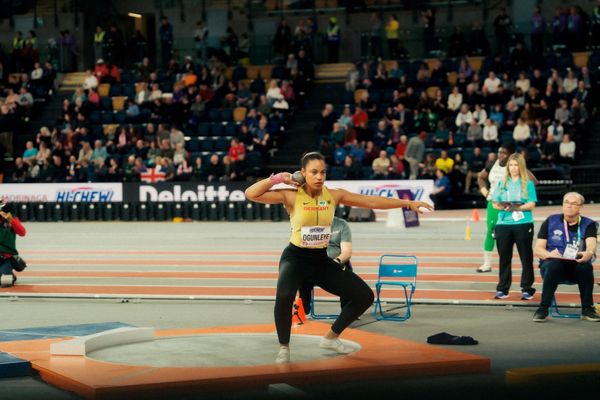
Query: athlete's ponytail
{"points": [[313, 155]]}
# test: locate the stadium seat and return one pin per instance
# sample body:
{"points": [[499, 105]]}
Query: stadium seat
{"points": [[217, 129], [193, 145], [221, 144], [206, 144], [104, 89]]}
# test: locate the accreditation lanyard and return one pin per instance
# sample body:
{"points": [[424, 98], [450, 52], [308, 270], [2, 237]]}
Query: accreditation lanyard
{"points": [[578, 230]]}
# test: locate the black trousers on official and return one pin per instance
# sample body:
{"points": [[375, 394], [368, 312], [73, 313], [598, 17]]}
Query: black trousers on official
{"points": [[298, 265], [556, 271], [506, 237]]}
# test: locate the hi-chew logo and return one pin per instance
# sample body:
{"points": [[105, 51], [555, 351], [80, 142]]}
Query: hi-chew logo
{"points": [[84, 194], [316, 229], [390, 191]]}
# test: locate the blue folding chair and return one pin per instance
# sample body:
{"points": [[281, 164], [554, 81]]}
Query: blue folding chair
{"points": [[554, 311], [396, 270]]}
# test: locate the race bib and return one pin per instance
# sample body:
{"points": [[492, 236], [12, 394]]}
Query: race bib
{"points": [[517, 215], [315, 236], [571, 252]]}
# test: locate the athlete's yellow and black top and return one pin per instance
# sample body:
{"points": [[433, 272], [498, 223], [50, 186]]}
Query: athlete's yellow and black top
{"points": [[311, 219]]}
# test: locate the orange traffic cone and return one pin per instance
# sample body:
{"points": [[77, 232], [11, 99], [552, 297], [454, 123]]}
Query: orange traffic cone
{"points": [[475, 216], [298, 315]]}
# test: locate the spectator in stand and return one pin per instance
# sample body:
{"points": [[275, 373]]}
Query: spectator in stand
{"points": [[477, 165], [427, 167], [522, 133], [575, 30], [180, 154], [464, 118], [511, 115], [442, 190], [441, 138], [550, 150], [538, 28], [214, 170], [30, 153], [455, 100], [262, 137], [282, 40], [490, 134], [91, 81], [101, 71], [352, 77], [381, 166], [502, 27], [99, 151], [519, 57], [333, 40], [359, 117], [274, 91], [392, 31], [567, 150], [382, 134], [415, 151], [237, 150], [351, 168], [458, 175], [20, 172], [428, 18], [570, 83], [474, 134], [444, 162], [165, 32], [397, 168], [582, 93], [492, 82], [478, 42], [577, 115], [337, 134]]}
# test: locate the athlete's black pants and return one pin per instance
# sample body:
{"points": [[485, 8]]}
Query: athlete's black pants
{"points": [[506, 237], [298, 265], [306, 291]]}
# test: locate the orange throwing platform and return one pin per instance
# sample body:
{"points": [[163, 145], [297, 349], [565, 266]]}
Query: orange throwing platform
{"points": [[380, 357]]}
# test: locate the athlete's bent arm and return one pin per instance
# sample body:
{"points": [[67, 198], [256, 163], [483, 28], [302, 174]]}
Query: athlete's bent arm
{"points": [[260, 191], [482, 182], [376, 202]]}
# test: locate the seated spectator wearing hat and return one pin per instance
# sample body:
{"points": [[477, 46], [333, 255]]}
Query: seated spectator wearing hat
{"points": [[101, 71], [566, 246]]}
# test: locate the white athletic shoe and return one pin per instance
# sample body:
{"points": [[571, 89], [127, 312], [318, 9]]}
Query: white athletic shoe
{"points": [[283, 357], [484, 268], [6, 280], [335, 345]]}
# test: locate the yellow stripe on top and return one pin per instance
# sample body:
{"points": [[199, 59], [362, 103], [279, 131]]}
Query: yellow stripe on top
{"points": [[311, 219]]}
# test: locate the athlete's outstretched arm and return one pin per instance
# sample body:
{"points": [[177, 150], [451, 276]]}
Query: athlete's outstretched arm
{"points": [[261, 192], [376, 202]]}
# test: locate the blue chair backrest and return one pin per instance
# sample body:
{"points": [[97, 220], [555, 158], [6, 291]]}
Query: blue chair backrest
{"points": [[397, 266]]}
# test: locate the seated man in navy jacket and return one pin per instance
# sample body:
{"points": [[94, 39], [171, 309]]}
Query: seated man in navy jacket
{"points": [[566, 246]]}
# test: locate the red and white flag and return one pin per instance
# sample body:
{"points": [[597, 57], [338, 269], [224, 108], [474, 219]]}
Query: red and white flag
{"points": [[152, 176]]}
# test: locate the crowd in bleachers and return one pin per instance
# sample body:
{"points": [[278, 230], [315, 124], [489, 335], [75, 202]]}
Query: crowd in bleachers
{"points": [[407, 119], [24, 81], [203, 122]]}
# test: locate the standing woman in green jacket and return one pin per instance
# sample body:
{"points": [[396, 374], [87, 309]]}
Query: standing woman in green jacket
{"points": [[515, 198], [10, 227]]}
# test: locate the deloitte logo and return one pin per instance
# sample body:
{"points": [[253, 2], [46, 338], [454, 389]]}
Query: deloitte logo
{"points": [[202, 193]]}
